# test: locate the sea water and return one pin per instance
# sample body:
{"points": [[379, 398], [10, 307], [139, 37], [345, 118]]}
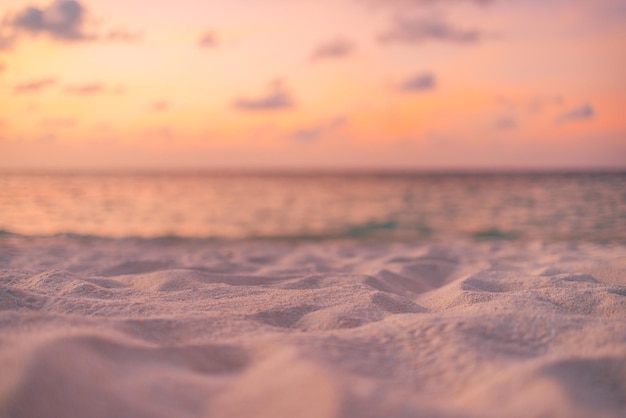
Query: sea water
{"points": [[318, 205]]}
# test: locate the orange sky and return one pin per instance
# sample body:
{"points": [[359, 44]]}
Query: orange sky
{"points": [[341, 84]]}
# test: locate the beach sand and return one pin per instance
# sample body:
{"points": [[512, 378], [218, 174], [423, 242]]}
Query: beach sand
{"points": [[95, 327]]}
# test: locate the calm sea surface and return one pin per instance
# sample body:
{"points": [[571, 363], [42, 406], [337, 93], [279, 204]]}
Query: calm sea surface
{"points": [[576, 207]]}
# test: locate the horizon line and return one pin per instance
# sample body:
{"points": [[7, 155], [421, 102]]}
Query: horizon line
{"points": [[312, 170]]}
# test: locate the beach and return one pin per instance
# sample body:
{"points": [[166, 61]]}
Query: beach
{"points": [[312, 209], [171, 327]]}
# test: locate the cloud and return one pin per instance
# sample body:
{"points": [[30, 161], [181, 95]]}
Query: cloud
{"points": [[160, 106], [47, 138], [337, 48], [403, 4], [420, 82], [534, 104], [582, 112], [161, 133], [120, 89], [6, 41], [313, 133], [505, 123], [85, 89], [418, 30], [2, 67], [123, 35], [277, 98], [34, 86], [208, 40], [58, 123], [538, 104], [61, 20]]}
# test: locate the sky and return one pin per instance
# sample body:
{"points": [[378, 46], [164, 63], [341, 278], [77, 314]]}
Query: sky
{"points": [[386, 84]]}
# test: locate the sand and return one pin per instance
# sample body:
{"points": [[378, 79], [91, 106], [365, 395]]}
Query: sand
{"points": [[183, 328]]}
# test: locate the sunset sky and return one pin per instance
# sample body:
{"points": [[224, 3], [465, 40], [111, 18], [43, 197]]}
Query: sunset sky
{"points": [[312, 84]]}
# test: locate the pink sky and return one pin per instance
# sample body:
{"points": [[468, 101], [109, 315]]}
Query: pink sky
{"points": [[341, 84]]}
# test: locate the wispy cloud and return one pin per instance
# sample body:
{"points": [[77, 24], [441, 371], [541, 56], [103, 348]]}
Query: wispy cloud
{"points": [[410, 5], [582, 112], [337, 48], [538, 104], [315, 132], [534, 104], [85, 89], [61, 20], [419, 83], [123, 35], [278, 97], [418, 30], [34, 86]]}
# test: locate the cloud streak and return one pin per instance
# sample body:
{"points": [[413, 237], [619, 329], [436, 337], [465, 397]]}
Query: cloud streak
{"points": [[277, 98], [337, 48], [58, 123], [85, 89], [313, 133], [123, 35], [582, 112], [34, 86], [422, 3], [419, 83], [505, 123], [419, 30]]}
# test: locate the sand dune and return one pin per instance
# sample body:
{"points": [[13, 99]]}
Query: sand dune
{"points": [[192, 328]]}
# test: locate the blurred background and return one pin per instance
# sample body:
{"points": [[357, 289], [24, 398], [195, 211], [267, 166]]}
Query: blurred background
{"points": [[427, 119]]}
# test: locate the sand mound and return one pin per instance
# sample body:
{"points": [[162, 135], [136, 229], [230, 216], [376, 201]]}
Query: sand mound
{"points": [[205, 329]]}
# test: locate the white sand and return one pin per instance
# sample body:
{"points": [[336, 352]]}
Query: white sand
{"points": [[122, 328]]}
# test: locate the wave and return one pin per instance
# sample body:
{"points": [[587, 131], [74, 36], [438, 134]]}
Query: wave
{"points": [[371, 231]]}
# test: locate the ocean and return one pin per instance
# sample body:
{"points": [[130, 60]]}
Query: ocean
{"points": [[557, 206]]}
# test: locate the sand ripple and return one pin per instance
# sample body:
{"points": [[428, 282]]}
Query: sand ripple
{"points": [[128, 328]]}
